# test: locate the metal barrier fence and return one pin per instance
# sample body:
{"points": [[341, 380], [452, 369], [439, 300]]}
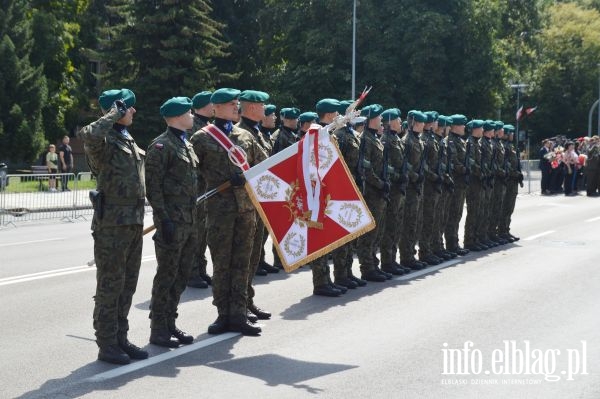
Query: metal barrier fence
{"points": [[27, 197]]}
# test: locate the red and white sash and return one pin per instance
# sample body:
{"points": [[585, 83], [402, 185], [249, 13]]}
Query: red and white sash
{"points": [[235, 153]]}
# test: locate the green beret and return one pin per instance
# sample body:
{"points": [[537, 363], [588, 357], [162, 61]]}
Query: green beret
{"points": [[290, 113], [269, 109], [327, 105], [224, 95], [371, 111], [201, 100], [307, 117], [509, 128], [391, 113], [458, 119], [432, 116], [411, 112], [476, 123], [499, 125], [175, 106], [419, 116], [444, 121], [254, 96], [488, 125], [108, 97], [344, 106], [405, 125]]}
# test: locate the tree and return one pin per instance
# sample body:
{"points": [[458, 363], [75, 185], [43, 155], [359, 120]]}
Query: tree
{"points": [[23, 90]]}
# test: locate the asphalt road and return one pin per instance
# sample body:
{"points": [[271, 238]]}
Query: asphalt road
{"points": [[527, 314]]}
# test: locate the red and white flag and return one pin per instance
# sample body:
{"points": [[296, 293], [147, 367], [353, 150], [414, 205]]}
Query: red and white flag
{"points": [[520, 113], [310, 204]]}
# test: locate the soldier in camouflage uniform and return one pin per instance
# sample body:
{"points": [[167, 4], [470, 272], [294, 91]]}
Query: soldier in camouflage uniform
{"points": [[372, 169], [118, 164], [460, 174], [172, 187], [252, 106], [437, 247], [282, 138], [398, 176], [514, 178], [487, 156], [499, 173], [414, 192], [203, 112], [230, 215], [592, 168], [432, 190], [304, 121], [475, 191], [348, 144]]}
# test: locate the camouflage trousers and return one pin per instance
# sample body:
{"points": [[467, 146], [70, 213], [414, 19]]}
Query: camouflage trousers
{"points": [[175, 262], [474, 199], [508, 206], [320, 271], [342, 260], [118, 255], [486, 208], [392, 228], [410, 226], [455, 212], [199, 266], [366, 245], [443, 202], [430, 219], [496, 209], [230, 240], [255, 256]]}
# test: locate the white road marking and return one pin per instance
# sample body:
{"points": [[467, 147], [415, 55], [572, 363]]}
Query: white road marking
{"points": [[138, 365], [54, 273], [30, 242], [592, 219], [545, 233]]}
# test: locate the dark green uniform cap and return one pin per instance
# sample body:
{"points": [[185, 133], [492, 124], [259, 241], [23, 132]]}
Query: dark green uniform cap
{"points": [[390, 114], [201, 100], [371, 111], [254, 96], [175, 106], [476, 123], [327, 105], [307, 117], [509, 128], [458, 119], [419, 116], [432, 116], [108, 97], [488, 125], [405, 125], [224, 95], [290, 113], [269, 109], [444, 121], [499, 125]]}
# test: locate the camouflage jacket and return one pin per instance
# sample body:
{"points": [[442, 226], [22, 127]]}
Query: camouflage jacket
{"points": [[458, 147], [216, 168], [118, 164], [431, 149], [172, 180], [396, 155], [511, 160], [349, 145], [415, 150], [475, 156], [498, 170], [282, 138], [487, 150], [263, 141], [372, 163], [199, 123]]}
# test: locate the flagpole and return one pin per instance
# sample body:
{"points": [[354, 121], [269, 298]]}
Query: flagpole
{"points": [[354, 51]]}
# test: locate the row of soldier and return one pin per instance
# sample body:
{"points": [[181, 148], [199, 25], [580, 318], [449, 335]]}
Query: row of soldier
{"points": [[414, 176]]}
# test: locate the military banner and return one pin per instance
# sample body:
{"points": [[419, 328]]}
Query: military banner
{"points": [[310, 204]]}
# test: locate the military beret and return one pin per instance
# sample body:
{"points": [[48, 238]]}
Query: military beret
{"points": [[509, 128], [458, 119], [269, 109], [476, 123], [108, 97], [307, 117], [344, 106], [201, 100], [499, 125], [488, 125], [254, 96], [419, 116], [405, 125], [391, 113], [327, 105], [175, 106], [411, 112], [224, 95], [432, 116], [371, 111], [443, 121], [290, 113]]}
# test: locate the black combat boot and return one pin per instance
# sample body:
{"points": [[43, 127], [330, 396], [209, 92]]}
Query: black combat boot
{"points": [[197, 282], [113, 354], [374, 275], [162, 337], [259, 313], [240, 323], [206, 278], [219, 326], [270, 269], [181, 336], [133, 351], [326, 290]]}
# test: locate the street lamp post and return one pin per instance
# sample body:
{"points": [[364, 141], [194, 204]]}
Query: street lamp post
{"points": [[354, 50]]}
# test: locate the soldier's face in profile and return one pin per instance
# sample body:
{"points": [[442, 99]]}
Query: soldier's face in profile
{"points": [[227, 111], [127, 119]]}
